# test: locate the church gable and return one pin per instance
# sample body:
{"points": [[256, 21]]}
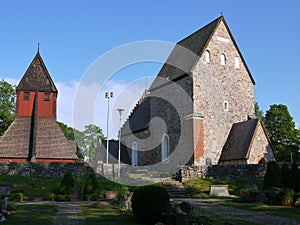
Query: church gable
{"points": [[261, 150]]}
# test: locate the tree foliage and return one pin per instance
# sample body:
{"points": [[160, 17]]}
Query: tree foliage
{"points": [[258, 112], [87, 141], [282, 132], [7, 105]]}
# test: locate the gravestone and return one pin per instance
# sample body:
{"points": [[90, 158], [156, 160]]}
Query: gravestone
{"points": [[219, 190]]}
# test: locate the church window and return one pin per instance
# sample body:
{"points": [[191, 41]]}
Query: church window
{"points": [[165, 148], [207, 56], [26, 96], [223, 59], [134, 154], [236, 62], [225, 106], [46, 96]]}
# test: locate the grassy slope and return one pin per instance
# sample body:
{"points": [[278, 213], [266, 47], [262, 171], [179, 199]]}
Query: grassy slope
{"points": [[33, 215], [40, 188]]}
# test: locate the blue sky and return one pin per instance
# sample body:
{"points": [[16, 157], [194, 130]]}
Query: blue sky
{"points": [[73, 34]]}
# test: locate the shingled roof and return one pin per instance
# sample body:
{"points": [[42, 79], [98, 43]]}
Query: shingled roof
{"points": [[37, 77], [50, 140], [185, 54], [239, 140]]}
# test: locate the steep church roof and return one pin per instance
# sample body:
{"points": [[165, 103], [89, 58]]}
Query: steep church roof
{"points": [[187, 51], [37, 77]]}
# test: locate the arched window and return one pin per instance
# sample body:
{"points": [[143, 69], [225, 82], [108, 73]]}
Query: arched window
{"points": [[236, 62], [165, 148], [223, 59], [207, 56], [225, 106], [134, 154]]}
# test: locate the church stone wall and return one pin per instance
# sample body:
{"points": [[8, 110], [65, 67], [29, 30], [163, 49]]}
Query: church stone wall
{"points": [[215, 84], [171, 104]]}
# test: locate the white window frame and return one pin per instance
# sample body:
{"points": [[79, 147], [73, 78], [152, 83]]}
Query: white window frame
{"points": [[226, 106], [236, 62], [207, 56], [223, 59], [165, 148], [134, 154]]}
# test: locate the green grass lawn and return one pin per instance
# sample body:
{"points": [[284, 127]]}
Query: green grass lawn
{"points": [[41, 188], [284, 211], [200, 187], [102, 215], [33, 215]]}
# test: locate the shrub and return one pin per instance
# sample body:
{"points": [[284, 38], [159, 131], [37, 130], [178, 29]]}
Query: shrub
{"points": [[286, 176], [62, 198], [297, 203], [296, 177], [66, 184], [248, 196], [149, 202], [17, 197], [286, 197], [12, 206], [273, 177], [91, 186]]}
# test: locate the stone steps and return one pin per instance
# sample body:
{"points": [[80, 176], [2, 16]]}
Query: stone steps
{"points": [[175, 188]]}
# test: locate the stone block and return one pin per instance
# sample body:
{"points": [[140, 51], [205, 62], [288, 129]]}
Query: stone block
{"points": [[219, 190]]}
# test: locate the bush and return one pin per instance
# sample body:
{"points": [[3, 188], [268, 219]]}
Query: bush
{"points": [[273, 177], [17, 197], [62, 198], [297, 203], [296, 177], [66, 184], [91, 186], [286, 197], [11, 206], [286, 176], [149, 202]]}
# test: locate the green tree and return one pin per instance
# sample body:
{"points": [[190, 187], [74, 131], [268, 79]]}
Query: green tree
{"points": [[258, 112], [286, 176], [7, 105], [70, 133], [282, 132], [273, 177], [87, 141]]}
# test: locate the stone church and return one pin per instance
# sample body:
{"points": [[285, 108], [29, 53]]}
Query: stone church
{"points": [[35, 135], [199, 110]]}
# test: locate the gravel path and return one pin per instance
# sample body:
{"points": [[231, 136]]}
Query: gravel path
{"points": [[69, 213], [241, 214]]}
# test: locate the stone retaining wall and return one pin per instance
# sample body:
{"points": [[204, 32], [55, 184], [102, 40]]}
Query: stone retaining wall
{"points": [[223, 171], [45, 169]]}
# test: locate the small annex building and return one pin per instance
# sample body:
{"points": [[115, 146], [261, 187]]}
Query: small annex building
{"points": [[35, 135]]}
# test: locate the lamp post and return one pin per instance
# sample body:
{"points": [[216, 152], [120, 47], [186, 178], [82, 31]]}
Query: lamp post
{"points": [[119, 156], [108, 95]]}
